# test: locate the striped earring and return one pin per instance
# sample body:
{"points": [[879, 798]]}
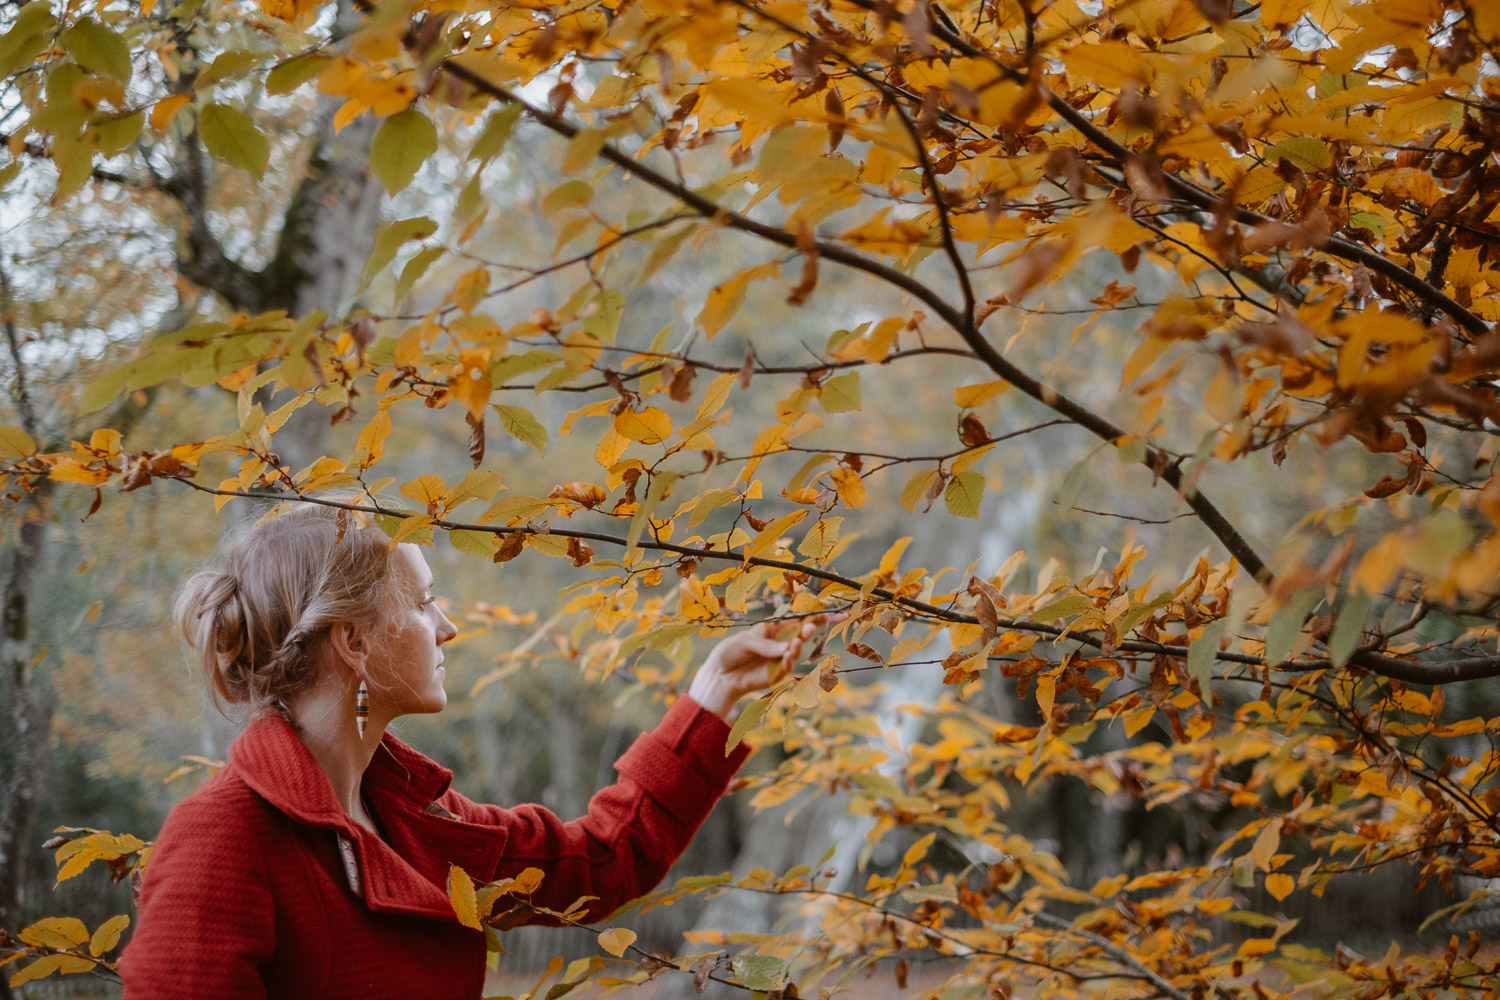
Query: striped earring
{"points": [[362, 708]]}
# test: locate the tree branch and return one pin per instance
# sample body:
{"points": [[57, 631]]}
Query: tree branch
{"points": [[201, 257], [1336, 246], [1159, 462], [1416, 672]]}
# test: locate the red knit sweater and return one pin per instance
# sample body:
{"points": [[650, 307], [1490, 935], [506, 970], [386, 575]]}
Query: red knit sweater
{"points": [[261, 886]]}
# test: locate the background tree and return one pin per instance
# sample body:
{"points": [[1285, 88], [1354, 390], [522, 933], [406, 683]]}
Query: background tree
{"points": [[1246, 248]]}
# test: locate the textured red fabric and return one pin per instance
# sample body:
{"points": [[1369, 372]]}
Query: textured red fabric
{"points": [[249, 893]]}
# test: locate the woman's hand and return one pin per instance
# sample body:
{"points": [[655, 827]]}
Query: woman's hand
{"points": [[747, 662]]}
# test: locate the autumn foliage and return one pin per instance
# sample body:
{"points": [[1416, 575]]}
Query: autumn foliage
{"points": [[1287, 210]]}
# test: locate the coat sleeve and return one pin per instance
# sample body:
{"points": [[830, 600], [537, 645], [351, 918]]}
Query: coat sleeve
{"points": [[206, 919], [670, 780]]}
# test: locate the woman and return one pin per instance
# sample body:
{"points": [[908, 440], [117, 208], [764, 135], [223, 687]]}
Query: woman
{"points": [[316, 863]]}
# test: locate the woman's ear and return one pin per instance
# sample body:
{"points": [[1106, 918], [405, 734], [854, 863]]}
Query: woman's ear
{"points": [[347, 641]]}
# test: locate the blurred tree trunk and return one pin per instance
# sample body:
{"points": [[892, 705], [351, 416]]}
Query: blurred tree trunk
{"points": [[25, 750]]}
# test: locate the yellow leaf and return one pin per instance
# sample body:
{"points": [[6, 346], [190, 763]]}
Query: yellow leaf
{"points": [[427, 490], [471, 385], [166, 109], [1046, 694], [917, 851], [648, 426], [56, 932], [1280, 885], [1266, 843], [772, 533], [850, 487], [717, 394], [371, 444], [49, 964], [288, 10], [969, 396], [616, 940], [461, 895], [68, 471], [697, 601], [108, 935], [1108, 64]]}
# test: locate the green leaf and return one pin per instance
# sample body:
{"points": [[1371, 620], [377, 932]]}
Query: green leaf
{"points": [[1074, 604], [228, 64], [916, 489], [1200, 658], [476, 543], [403, 143], [1072, 486], [512, 365], [1369, 220], [939, 892], [1303, 150], [413, 271], [604, 322], [841, 394], [1138, 614], [964, 493], [1353, 616], [692, 883], [27, 38], [16, 443], [391, 238], [288, 76], [116, 134], [659, 487], [1286, 625], [759, 972], [663, 250], [498, 129], [569, 195], [231, 136], [518, 422], [97, 49], [748, 718]]}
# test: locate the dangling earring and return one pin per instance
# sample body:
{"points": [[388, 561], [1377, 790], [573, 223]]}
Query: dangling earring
{"points": [[362, 708]]}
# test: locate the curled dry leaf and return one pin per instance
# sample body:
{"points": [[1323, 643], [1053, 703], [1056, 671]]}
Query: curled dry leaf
{"points": [[582, 493]]}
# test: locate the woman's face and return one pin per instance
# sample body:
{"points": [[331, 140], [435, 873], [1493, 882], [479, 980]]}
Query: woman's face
{"points": [[407, 667]]}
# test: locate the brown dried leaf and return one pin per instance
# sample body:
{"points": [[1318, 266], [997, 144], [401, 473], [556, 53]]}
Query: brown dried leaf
{"points": [[989, 618], [971, 431], [476, 438], [511, 544], [681, 387]]}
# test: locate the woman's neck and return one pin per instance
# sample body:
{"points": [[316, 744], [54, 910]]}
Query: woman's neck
{"points": [[324, 717]]}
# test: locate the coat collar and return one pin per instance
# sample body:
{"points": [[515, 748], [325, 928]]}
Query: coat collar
{"points": [[272, 759], [408, 871]]}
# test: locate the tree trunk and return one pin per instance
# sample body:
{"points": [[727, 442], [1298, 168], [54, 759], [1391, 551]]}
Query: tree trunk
{"points": [[25, 750]]}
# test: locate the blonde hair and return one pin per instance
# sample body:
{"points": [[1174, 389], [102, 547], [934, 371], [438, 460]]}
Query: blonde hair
{"points": [[259, 623]]}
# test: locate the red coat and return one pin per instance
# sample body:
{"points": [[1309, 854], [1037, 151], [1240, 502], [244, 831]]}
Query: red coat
{"points": [[251, 890]]}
